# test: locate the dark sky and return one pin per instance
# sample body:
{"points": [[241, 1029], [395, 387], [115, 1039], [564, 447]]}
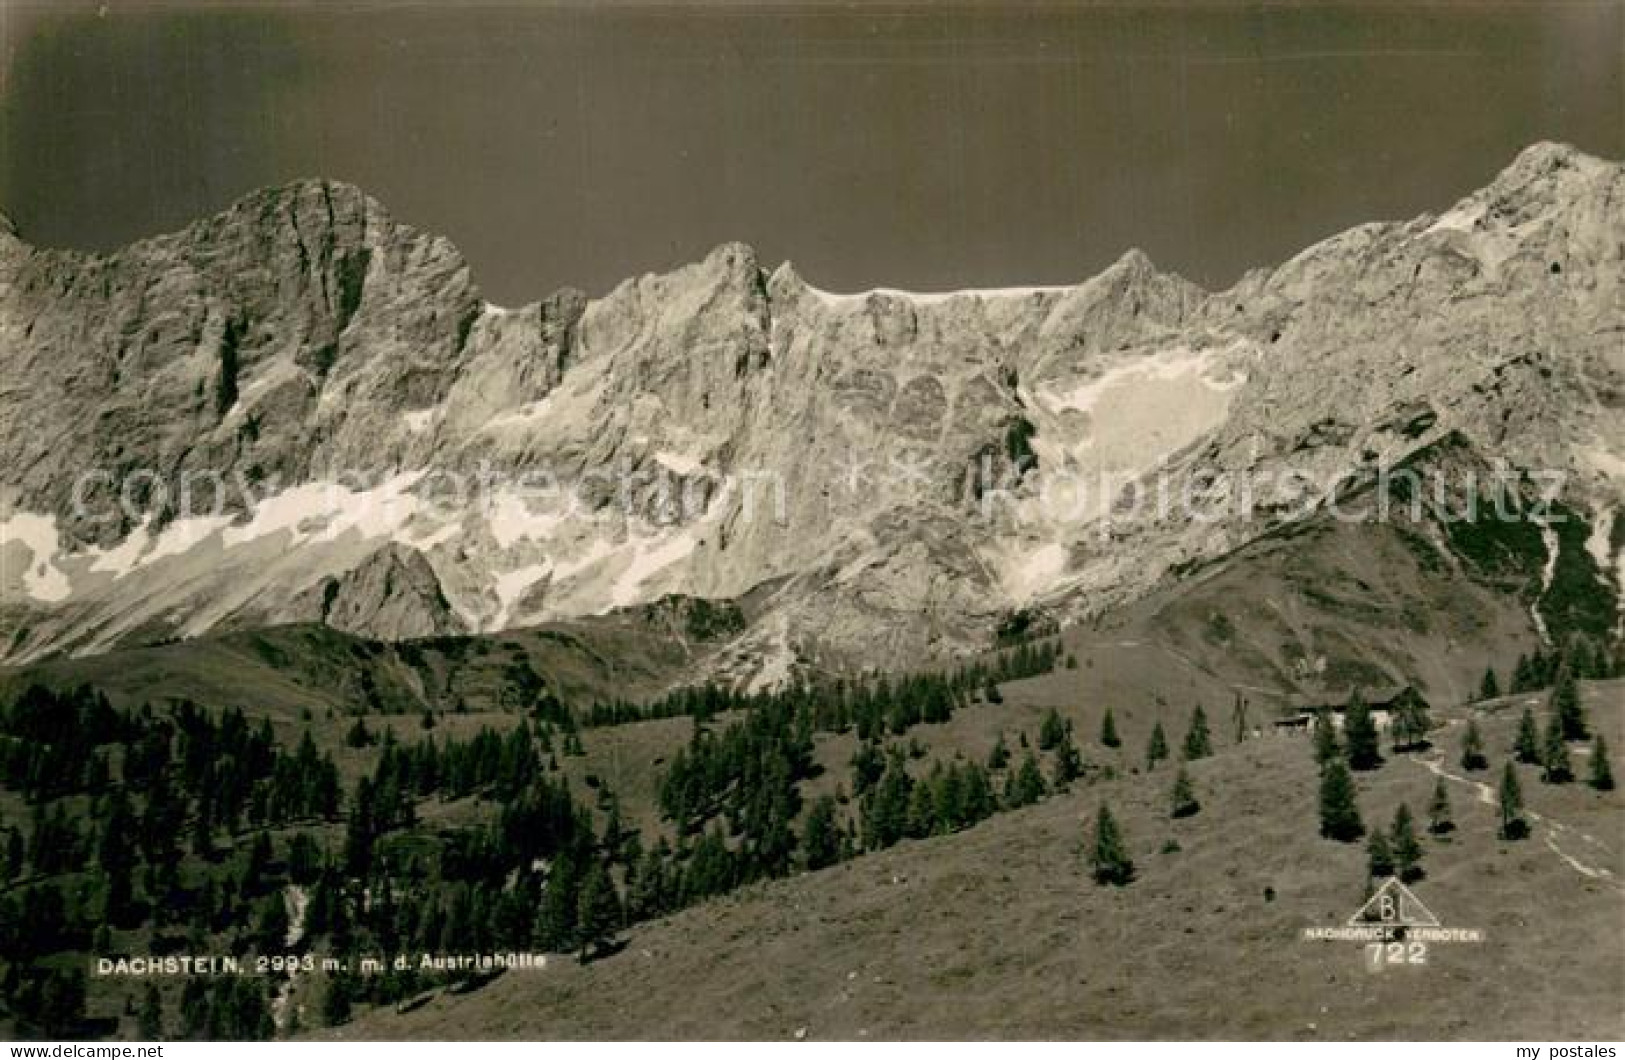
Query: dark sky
{"points": [[928, 146]]}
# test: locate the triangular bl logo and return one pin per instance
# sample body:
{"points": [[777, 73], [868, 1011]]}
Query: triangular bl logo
{"points": [[1394, 905]]}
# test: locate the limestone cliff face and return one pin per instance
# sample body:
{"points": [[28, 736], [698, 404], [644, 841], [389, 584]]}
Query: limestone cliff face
{"points": [[268, 339], [866, 462]]}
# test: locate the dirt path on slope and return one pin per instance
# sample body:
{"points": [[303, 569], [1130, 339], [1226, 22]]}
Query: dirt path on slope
{"points": [[1487, 795]]}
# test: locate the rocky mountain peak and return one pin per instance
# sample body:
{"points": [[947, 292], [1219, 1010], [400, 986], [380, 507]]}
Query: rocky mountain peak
{"points": [[1546, 183], [734, 268], [734, 257], [307, 207], [785, 283], [12, 247], [1545, 160], [1133, 262], [393, 592]]}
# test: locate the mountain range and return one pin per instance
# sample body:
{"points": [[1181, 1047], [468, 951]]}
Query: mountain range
{"points": [[302, 410]]}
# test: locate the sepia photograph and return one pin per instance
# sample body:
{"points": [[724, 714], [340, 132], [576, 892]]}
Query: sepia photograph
{"points": [[914, 521]]}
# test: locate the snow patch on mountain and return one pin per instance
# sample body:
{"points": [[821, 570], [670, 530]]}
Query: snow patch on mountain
{"points": [[1602, 526], [924, 298], [1548, 571], [681, 463], [1025, 575], [42, 580], [1099, 431], [417, 422], [649, 557], [1463, 217], [143, 548], [330, 508], [511, 520], [776, 660], [1599, 544], [511, 586]]}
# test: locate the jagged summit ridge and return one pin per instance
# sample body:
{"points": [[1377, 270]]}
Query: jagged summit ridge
{"points": [[343, 364], [348, 205], [1545, 158]]}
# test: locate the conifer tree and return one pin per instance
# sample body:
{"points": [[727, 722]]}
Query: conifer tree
{"points": [[1410, 723], [117, 857], [886, 818], [1198, 741], [1108, 730], [1566, 704], [55, 1007], [555, 926], [1379, 856], [650, 890], [1555, 767], [1051, 731], [1406, 848], [1526, 746], [270, 924], [1068, 765], [1489, 688], [922, 810], [1156, 750], [1602, 775], [598, 915], [976, 794], [150, 1021], [1589, 660], [1513, 825], [1472, 748], [1360, 735], [999, 757], [358, 736], [1028, 782], [868, 766], [822, 842], [1183, 798], [1523, 676], [304, 859], [1439, 816], [16, 853], [1325, 738], [1109, 859], [1339, 813], [336, 1000], [1544, 668]]}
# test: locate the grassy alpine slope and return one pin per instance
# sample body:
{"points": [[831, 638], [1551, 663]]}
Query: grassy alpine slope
{"points": [[999, 931], [283, 672]]}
